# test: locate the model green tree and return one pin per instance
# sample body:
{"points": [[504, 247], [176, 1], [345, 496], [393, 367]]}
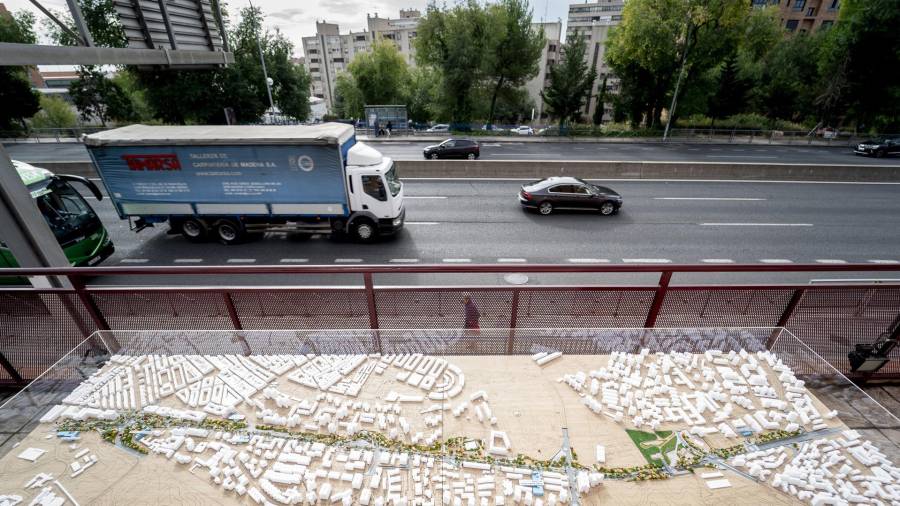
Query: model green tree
{"points": [[454, 41], [514, 57], [17, 100], [570, 83]]}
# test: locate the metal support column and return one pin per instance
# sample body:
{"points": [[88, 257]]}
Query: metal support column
{"points": [[658, 298], [373, 309], [785, 316]]}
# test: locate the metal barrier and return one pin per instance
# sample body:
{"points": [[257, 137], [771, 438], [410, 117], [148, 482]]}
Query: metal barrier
{"points": [[37, 326]]}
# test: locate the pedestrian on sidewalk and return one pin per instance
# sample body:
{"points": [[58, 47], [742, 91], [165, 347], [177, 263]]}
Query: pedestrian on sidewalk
{"points": [[388, 127], [471, 316]]}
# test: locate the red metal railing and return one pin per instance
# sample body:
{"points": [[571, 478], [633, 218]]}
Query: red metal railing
{"points": [[39, 325]]}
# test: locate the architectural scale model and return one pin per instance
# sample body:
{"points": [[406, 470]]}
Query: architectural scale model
{"points": [[426, 430]]}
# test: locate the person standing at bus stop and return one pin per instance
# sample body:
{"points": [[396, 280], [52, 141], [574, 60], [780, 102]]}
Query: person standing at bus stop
{"points": [[388, 127], [471, 316]]}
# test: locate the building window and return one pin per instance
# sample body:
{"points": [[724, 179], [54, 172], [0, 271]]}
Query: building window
{"points": [[791, 24], [360, 38], [313, 60], [337, 60], [551, 48], [826, 25], [799, 5], [811, 11], [313, 51], [835, 5]]}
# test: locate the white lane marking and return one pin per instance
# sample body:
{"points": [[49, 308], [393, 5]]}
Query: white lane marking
{"points": [[188, 260], [294, 260], [404, 260], [588, 260], [95, 179], [646, 260], [457, 260], [491, 145], [636, 180], [708, 198], [422, 197], [717, 261], [134, 260], [241, 261], [740, 156], [884, 261], [422, 223], [316, 236], [511, 260], [755, 224], [830, 261], [776, 261], [347, 260]]}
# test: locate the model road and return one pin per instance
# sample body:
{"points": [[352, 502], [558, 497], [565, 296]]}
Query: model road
{"points": [[470, 222], [530, 151]]}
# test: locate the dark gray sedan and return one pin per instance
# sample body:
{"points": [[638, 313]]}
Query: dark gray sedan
{"points": [[569, 193]]}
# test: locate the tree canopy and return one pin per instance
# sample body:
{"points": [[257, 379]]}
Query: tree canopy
{"points": [[571, 81], [18, 100]]}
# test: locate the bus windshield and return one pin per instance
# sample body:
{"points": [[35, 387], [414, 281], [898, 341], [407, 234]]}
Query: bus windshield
{"points": [[65, 210], [393, 180]]}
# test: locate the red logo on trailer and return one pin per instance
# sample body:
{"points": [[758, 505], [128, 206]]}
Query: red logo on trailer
{"points": [[167, 161]]}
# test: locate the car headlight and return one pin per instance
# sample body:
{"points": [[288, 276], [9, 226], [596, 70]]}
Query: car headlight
{"points": [[398, 221]]}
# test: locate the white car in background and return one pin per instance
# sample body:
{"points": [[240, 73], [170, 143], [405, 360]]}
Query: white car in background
{"points": [[441, 127], [524, 130]]}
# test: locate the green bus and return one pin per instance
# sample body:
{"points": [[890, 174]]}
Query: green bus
{"points": [[75, 225]]}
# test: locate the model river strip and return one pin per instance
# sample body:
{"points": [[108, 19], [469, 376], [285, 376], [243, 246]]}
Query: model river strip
{"points": [[729, 428]]}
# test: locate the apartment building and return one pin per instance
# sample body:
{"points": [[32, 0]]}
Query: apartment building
{"points": [[549, 57], [593, 21], [804, 16], [328, 52]]}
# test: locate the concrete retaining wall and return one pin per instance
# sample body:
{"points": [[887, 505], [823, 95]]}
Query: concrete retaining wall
{"points": [[605, 170], [647, 170]]}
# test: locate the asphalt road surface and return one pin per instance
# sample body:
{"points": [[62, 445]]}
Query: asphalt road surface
{"points": [[512, 150], [472, 222]]}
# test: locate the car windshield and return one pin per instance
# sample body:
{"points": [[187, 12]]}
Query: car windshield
{"points": [[65, 210], [393, 180]]}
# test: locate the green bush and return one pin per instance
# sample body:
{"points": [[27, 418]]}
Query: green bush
{"points": [[55, 113]]}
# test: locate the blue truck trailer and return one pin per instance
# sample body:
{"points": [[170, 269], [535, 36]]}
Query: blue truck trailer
{"points": [[224, 182]]}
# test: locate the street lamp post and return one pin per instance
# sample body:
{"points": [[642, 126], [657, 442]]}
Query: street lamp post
{"points": [[262, 61]]}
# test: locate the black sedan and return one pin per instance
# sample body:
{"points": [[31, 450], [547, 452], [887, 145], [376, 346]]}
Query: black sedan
{"points": [[569, 193], [453, 148], [878, 147]]}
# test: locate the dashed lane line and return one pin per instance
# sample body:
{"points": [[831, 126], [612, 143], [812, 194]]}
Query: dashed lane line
{"points": [[348, 260], [776, 261], [512, 260], [134, 260], [646, 260], [717, 261], [294, 260], [241, 261], [188, 260], [588, 260], [890, 262], [404, 260], [457, 260], [830, 261]]}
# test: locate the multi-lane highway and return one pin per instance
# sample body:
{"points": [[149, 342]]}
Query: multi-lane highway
{"points": [[525, 151], [469, 222]]}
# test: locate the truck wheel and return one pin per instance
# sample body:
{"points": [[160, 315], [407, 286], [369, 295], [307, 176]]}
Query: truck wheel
{"points": [[364, 230], [194, 230], [229, 232]]}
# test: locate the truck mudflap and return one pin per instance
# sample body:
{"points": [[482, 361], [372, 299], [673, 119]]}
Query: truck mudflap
{"points": [[390, 226]]}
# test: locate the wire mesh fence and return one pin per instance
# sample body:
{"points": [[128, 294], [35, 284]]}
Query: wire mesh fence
{"points": [[39, 326]]}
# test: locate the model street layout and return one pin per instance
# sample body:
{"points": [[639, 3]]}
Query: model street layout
{"points": [[424, 430]]}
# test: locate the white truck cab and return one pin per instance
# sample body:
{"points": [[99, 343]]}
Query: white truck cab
{"points": [[375, 193]]}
